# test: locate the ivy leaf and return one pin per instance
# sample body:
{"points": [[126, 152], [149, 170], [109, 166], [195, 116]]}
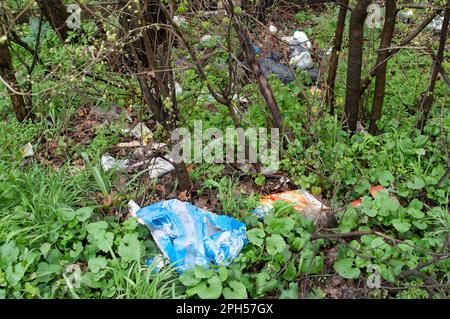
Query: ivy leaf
{"points": [[416, 183], [237, 290], [291, 292], [275, 244], [256, 236], [84, 213], [189, 279], [211, 289], [401, 225], [95, 264], [130, 248], [344, 267]]}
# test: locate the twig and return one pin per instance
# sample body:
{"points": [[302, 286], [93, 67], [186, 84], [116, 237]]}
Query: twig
{"points": [[415, 271]]}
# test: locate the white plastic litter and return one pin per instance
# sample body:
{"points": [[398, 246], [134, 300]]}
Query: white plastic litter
{"points": [[178, 88], [273, 29], [142, 132], [330, 50], [291, 40], [27, 150], [108, 162], [159, 166], [302, 61], [303, 39], [133, 208], [406, 16], [179, 20], [436, 24], [241, 99], [205, 38]]}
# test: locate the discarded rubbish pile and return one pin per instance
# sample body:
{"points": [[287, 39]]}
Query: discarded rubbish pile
{"points": [[146, 154], [189, 236], [300, 59]]}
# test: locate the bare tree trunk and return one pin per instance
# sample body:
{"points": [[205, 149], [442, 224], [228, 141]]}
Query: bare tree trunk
{"points": [[428, 97], [250, 59], [335, 55], [7, 70], [355, 45], [55, 11], [382, 60], [150, 59], [415, 32], [7, 73]]}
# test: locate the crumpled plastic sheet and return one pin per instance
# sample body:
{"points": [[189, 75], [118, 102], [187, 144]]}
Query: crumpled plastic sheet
{"points": [[189, 236]]}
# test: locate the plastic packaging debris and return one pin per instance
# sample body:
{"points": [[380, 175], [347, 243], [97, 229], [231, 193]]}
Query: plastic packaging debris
{"points": [[179, 20], [329, 51], [436, 23], [273, 29], [314, 74], [242, 99], [284, 73], [303, 39], [189, 236], [27, 150], [109, 162], [257, 50], [360, 128], [159, 167], [274, 56], [302, 200], [158, 262], [142, 132], [302, 61], [406, 16], [205, 38], [133, 207], [178, 88]]}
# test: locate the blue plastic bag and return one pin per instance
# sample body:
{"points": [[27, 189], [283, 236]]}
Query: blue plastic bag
{"points": [[189, 236]]}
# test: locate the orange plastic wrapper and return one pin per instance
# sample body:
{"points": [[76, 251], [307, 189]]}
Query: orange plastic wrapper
{"points": [[373, 191], [302, 200]]}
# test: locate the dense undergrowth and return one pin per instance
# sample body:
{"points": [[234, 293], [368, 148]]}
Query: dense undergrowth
{"points": [[60, 237]]}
